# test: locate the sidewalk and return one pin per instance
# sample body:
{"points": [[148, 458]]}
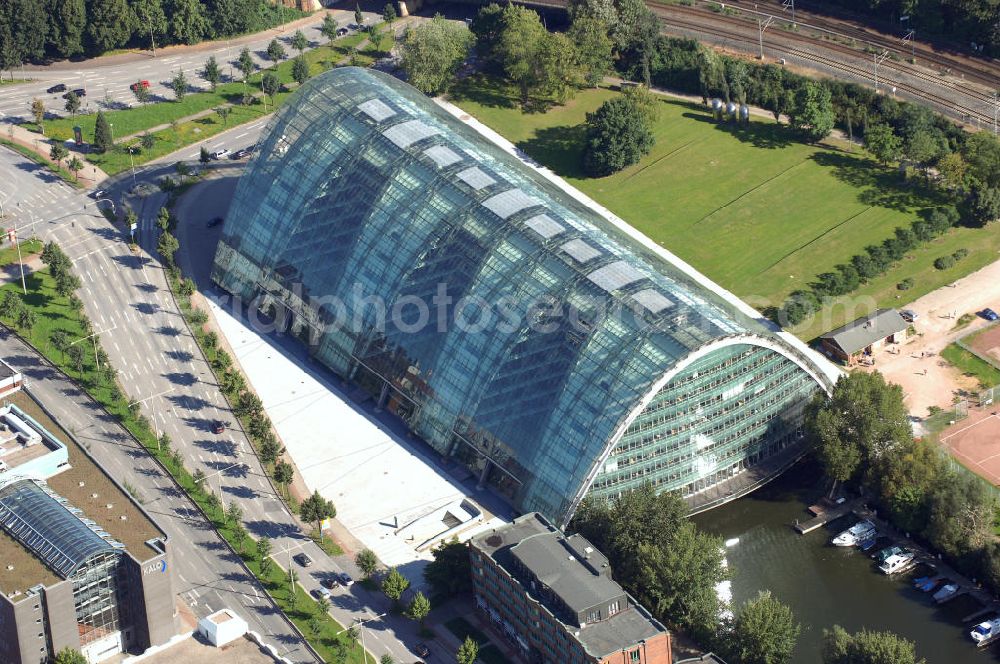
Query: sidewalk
{"points": [[177, 49]]}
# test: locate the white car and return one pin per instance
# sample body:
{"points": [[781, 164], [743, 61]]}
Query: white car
{"points": [[219, 154], [323, 593]]}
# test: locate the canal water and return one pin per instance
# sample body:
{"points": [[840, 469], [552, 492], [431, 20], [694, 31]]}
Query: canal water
{"points": [[826, 585]]}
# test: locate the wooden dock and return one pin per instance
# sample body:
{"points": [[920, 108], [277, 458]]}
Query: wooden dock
{"points": [[825, 516]]}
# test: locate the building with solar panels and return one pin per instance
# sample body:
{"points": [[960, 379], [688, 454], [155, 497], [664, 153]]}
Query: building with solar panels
{"points": [[542, 343], [81, 563]]}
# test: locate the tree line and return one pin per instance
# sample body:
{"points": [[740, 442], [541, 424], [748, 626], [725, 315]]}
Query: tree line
{"points": [[34, 31], [863, 439]]}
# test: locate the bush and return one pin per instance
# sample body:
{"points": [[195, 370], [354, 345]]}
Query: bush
{"points": [[905, 284], [944, 262], [960, 254], [618, 135]]}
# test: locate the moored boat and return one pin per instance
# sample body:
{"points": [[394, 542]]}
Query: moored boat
{"points": [[859, 532], [897, 563], [986, 632]]}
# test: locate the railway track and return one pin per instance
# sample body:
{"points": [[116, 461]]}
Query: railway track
{"points": [[981, 70], [965, 110]]}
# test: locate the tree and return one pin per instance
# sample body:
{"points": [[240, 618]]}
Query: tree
{"points": [[394, 585], [271, 83], [389, 13], [882, 143], [188, 24], [167, 247], [223, 113], [211, 72], [618, 135], [58, 152], [863, 420], [593, 47], [179, 84], [283, 474], [248, 405], [866, 647], [299, 42], [300, 70], [317, 508], [75, 165], [275, 51], [960, 515], [432, 52], [234, 513], [245, 63], [70, 656], [536, 61], [102, 133], [359, 18], [109, 24], [764, 632], [75, 354], [72, 102], [386, 659], [487, 27], [151, 22], [66, 283], [984, 205], [263, 548], [59, 340], [953, 169], [367, 562], [418, 608], [329, 27], [812, 111], [38, 112], [450, 573], [270, 449], [147, 141], [203, 155], [467, 652], [141, 92], [68, 19]]}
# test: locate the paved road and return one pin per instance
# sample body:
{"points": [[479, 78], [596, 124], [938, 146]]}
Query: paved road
{"points": [[110, 82], [159, 363]]}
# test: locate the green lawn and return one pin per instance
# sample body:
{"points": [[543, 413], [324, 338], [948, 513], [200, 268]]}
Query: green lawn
{"points": [[756, 211], [970, 365]]}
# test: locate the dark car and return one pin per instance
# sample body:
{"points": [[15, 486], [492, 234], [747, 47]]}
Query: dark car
{"points": [[79, 92], [214, 221], [218, 427], [345, 579], [342, 31], [989, 314], [422, 649], [303, 559], [330, 582], [61, 87], [240, 154]]}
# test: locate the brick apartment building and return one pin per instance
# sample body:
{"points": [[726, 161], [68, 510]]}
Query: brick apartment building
{"points": [[553, 597]]}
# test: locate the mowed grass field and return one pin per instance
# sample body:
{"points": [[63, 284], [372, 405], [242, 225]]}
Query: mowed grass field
{"points": [[753, 209]]}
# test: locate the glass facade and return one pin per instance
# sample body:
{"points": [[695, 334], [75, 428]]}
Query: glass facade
{"points": [[95, 597], [510, 326]]}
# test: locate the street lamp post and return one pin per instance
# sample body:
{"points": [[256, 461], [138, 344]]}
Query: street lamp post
{"points": [[360, 622], [17, 243], [112, 125], [93, 336]]}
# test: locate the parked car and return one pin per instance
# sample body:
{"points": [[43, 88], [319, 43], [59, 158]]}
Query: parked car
{"points": [[303, 559], [214, 221], [422, 649], [241, 154], [219, 154], [345, 579], [330, 582], [323, 593], [99, 193], [79, 92], [59, 87], [135, 86], [218, 426], [909, 315], [989, 314], [342, 31]]}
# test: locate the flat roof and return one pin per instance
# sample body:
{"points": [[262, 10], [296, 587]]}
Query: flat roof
{"points": [[6, 371], [194, 650], [77, 485], [561, 564]]}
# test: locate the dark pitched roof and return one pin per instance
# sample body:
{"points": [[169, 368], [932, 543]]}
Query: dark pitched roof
{"points": [[861, 333]]}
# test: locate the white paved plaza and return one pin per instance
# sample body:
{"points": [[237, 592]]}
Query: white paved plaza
{"points": [[376, 481]]}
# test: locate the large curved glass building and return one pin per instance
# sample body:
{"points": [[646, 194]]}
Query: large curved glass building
{"points": [[543, 345]]}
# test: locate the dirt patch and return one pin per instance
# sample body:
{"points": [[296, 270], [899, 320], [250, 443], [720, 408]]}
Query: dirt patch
{"points": [[975, 442], [987, 343]]}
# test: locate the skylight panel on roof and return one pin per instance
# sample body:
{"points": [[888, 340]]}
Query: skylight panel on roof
{"points": [[442, 156], [580, 251], [545, 225], [376, 110], [509, 203], [653, 301], [407, 133], [615, 275], [475, 178]]}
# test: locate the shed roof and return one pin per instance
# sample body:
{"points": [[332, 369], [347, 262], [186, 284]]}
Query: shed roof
{"points": [[863, 332]]}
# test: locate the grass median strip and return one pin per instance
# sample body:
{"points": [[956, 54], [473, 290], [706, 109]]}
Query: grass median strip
{"points": [[50, 321]]}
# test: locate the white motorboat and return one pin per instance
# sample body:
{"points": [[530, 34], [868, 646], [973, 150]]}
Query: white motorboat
{"points": [[859, 532], [986, 632], [897, 562]]}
